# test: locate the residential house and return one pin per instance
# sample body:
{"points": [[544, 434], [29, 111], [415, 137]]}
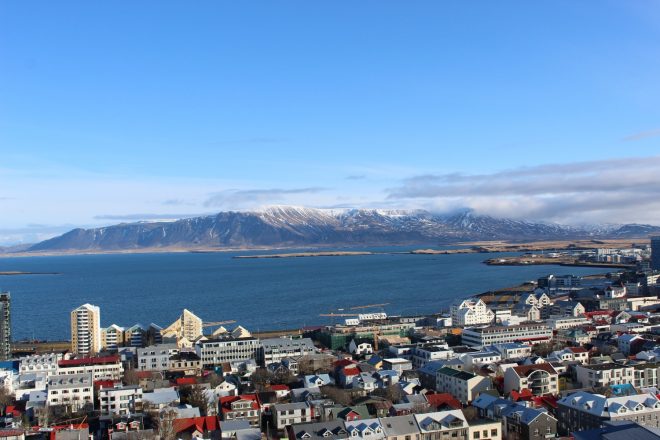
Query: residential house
{"points": [[540, 379], [461, 384]]}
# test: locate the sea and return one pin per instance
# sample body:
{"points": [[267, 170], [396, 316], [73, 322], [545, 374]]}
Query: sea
{"points": [[259, 294]]}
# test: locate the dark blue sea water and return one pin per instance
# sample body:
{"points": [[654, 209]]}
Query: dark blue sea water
{"points": [[258, 293]]}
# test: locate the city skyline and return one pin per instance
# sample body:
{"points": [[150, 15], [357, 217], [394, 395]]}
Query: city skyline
{"points": [[123, 113]]}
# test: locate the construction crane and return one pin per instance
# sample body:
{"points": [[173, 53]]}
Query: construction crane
{"points": [[217, 323]]}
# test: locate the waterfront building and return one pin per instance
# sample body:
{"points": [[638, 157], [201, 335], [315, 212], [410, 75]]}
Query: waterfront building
{"points": [[73, 391], [497, 334], [112, 337], [582, 410], [462, 385], [86, 330], [274, 350], [214, 352], [5, 325], [120, 401], [471, 312], [156, 357], [189, 327], [339, 336]]}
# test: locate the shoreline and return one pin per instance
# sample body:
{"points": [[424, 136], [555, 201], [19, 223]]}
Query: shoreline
{"points": [[465, 247], [18, 272]]}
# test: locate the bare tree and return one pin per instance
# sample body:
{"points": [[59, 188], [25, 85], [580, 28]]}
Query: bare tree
{"points": [[131, 377], [337, 395], [194, 395], [6, 397], [261, 378], [165, 424]]}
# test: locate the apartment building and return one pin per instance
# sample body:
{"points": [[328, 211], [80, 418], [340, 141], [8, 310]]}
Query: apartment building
{"points": [[498, 334], [462, 385], [604, 375], [40, 363], [86, 330], [215, 352], [443, 425], [471, 312], [275, 350], [101, 368], [73, 391], [291, 414], [582, 410], [120, 401], [156, 357], [540, 379]]}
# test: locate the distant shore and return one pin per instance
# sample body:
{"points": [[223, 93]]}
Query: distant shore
{"points": [[16, 272], [463, 248]]}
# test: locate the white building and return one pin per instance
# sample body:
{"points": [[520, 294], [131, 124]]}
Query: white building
{"points": [[540, 379], [101, 368], [462, 385], [40, 363], [74, 391], [86, 330], [471, 312], [525, 333], [360, 349], [120, 401], [218, 351], [156, 357], [274, 350], [292, 413]]}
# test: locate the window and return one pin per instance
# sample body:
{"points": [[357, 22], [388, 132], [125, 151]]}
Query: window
{"points": [[476, 434]]}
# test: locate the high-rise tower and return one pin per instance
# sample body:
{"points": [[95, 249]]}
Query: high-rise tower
{"points": [[5, 325], [86, 330]]}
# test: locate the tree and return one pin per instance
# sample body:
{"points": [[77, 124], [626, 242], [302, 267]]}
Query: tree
{"points": [[393, 393], [165, 424], [195, 396], [131, 377], [6, 397], [337, 395], [261, 378], [213, 379]]}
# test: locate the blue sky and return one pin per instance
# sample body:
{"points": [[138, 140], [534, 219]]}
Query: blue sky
{"points": [[124, 110]]}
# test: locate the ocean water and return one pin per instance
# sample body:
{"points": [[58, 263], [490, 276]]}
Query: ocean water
{"points": [[259, 294]]}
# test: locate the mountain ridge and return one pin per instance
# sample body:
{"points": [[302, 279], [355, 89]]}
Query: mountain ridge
{"points": [[285, 226]]}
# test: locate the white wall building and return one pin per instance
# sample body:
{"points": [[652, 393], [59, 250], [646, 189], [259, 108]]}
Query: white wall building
{"points": [[40, 363], [71, 390], [156, 357], [471, 312], [120, 401]]}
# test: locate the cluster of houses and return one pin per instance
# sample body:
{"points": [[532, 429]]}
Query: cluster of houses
{"points": [[562, 356]]}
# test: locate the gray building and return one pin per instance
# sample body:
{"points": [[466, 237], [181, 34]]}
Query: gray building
{"points": [[5, 326], [655, 252], [214, 352], [277, 349]]}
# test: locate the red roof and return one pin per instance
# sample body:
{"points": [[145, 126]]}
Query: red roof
{"points": [[524, 394], [104, 384], [526, 370], [279, 388], [144, 374], [186, 381], [437, 400], [578, 349], [351, 371], [225, 402], [201, 424], [342, 363], [113, 359]]}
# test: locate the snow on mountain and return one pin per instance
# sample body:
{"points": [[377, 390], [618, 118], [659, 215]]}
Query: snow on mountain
{"points": [[292, 226]]}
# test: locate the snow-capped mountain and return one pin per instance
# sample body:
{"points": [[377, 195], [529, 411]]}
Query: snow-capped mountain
{"points": [[284, 226]]}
